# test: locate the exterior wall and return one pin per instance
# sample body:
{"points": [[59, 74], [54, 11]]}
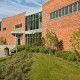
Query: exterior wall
{"points": [[10, 23], [63, 26]]}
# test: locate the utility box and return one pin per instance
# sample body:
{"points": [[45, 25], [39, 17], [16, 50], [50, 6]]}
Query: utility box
{"points": [[6, 51]]}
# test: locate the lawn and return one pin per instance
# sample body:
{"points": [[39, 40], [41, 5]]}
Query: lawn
{"points": [[37, 66], [46, 67]]}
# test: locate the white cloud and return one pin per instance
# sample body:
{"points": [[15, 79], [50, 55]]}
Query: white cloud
{"points": [[12, 7], [33, 1]]}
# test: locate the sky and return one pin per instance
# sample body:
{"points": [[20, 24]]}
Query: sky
{"points": [[13, 7]]}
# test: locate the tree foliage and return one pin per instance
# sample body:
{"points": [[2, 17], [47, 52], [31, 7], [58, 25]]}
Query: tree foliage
{"points": [[75, 40], [2, 40], [51, 40]]}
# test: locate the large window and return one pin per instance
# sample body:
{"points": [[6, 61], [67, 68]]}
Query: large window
{"points": [[33, 39], [66, 10], [34, 21], [18, 26]]}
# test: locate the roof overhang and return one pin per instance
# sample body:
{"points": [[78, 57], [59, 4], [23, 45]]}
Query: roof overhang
{"points": [[33, 31], [17, 32]]}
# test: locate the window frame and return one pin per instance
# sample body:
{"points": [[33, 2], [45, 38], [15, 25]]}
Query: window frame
{"points": [[66, 10], [18, 26]]}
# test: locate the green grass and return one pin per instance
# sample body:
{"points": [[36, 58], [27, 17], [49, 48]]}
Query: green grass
{"points": [[48, 67], [36, 66]]}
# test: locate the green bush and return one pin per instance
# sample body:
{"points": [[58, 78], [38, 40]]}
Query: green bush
{"points": [[31, 48], [21, 48], [43, 49], [73, 56], [68, 55], [62, 54], [40, 49], [27, 48]]}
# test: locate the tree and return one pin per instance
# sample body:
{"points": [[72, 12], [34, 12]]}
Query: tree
{"points": [[2, 41], [51, 40], [75, 40]]}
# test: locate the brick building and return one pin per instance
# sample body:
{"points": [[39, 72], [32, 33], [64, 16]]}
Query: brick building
{"points": [[61, 17]]}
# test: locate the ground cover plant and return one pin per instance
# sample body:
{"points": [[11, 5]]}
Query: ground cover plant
{"points": [[15, 67]]}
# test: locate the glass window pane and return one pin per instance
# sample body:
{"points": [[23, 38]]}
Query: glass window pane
{"points": [[27, 18], [62, 11], [56, 14], [70, 8], [37, 24], [37, 15], [40, 22], [53, 15], [40, 14], [59, 12], [74, 7], [32, 24], [66, 10], [18, 26], [79, 5]]}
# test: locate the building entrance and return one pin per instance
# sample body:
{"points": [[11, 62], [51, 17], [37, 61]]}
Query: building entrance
{"points": [[18, 39]]}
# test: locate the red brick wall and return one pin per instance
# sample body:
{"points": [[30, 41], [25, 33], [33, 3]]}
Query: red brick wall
{"points": [[63, 26], [10, 23]]}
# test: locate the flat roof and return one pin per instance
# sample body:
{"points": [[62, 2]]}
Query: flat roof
{"points": [[34, 12]]}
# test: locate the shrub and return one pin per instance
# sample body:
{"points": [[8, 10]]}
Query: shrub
{"points": [[40, 49], [73, 56], [27, 48], [68, 55], [51, 40], [21, 48], [43, 49], [62, 54], [75, 40], [30, 48]]}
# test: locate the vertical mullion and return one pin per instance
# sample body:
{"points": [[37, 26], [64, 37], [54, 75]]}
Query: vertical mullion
{"points": [[77, 6], [35, 21]]}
